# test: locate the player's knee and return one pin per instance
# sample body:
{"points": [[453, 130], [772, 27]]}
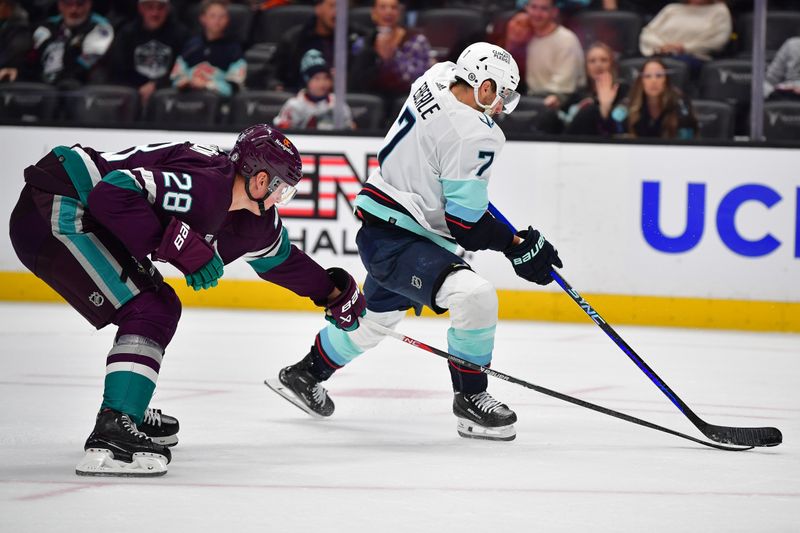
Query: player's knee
{"points": [[472, 300], [152, 314]]}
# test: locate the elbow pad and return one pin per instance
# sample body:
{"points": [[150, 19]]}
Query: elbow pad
{"points": [[487, 233]]}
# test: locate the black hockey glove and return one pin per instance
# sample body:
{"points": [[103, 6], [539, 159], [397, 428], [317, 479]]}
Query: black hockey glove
{"points": [[534, 257]]}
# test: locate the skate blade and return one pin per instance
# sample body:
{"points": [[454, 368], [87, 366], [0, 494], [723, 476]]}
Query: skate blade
{"points": [[471, 430], [100, 462], [290, 397], [169, 440]]}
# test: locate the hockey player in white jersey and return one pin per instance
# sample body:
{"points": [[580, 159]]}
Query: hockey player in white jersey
{"points": [[428, 196]]}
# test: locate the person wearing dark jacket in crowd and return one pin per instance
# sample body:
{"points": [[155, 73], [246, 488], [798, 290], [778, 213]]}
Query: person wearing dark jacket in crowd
{"points": [[656, 108], [389, 57], [145, 49], [15, 38], [211, 61], [68, 47], [315, 34]]}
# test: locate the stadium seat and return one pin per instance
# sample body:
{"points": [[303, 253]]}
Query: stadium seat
{"points": [[530, 116], [184, 108], [780, 26], [714, 119], [618, 29], [241, 21], [678, 71], [253, 107], [729, 80], [448, 27], [782, 121], [259, 68], [270, 25], [726, 80], [367, 110], [102, 104], [28, 102]]}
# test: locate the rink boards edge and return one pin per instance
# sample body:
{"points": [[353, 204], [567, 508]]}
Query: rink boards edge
{"points": [[514, 305]]}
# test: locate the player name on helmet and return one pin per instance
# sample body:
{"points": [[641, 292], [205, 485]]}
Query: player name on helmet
{"points": [[424, 98]]}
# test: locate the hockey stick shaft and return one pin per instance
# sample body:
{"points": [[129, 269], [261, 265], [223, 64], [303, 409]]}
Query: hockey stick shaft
{"points": [[548, 392], [765, 436]]}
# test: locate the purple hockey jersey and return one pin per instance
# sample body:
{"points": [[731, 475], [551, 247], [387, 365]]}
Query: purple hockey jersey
{"points": [[135, 192]]}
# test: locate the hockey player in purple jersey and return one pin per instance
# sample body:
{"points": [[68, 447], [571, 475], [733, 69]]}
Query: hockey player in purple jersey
{"points": [[87, 221]]}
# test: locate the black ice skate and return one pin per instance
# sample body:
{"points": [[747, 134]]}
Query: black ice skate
{"points": [[482, 417], [163, 429], [116, 448], [296, 384]]}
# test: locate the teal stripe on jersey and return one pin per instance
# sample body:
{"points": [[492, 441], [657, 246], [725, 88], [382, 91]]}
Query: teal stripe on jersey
{"points": [[98, 262], [265, 264], [76, 170], [473, 345], [123, 180], [403, 221], [466, 199], [338, 346], [128, 392]]}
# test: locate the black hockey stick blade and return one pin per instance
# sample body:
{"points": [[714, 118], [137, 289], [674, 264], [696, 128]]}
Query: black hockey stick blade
{"points": [[766, 436]]}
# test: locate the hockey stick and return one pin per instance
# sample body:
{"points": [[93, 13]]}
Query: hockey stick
{"points": [[545, 391], [749, 436]]}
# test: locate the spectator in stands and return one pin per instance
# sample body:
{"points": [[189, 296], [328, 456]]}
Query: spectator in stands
{"points": [[145, 49], [690, 31], [312, 108], [598, 108], [387, 59], [555, 66], [315, 34], [656, 108], [15, 38], [514, 36], [783, 75], [67, 49], [211, 61]]}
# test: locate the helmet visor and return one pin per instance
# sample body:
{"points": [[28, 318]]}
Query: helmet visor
{"points": [[510, 99], [281, 191]]}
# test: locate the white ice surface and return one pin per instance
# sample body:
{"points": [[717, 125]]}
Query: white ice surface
{"points": [[390, 459]]}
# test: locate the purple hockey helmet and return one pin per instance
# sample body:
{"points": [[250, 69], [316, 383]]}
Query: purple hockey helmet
{"points": [[262, 147]]}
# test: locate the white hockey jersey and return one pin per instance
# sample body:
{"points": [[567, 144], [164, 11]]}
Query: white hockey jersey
{"points": [[436, 159]]}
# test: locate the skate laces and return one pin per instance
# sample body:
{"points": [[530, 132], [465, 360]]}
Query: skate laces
{"points": [[485, 402], [152, 417], [130, 425], [319, 394]]}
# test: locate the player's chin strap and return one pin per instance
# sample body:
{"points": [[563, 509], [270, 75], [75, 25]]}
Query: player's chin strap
{"points": [[487, 109], [260, 201]]}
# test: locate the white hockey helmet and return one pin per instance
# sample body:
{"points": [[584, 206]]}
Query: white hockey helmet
{"points": [[484, 61]]}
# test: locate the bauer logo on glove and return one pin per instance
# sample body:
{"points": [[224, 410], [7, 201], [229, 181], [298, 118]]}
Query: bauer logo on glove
{"points": [[534, 257], [530, 254], [180, 238], [343, 311]]}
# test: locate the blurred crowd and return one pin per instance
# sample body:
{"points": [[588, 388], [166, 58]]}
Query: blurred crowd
{"points": [[674, 70]]}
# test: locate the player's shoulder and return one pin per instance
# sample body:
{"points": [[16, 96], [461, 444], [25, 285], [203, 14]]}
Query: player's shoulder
{"points": [[473, 126]]}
